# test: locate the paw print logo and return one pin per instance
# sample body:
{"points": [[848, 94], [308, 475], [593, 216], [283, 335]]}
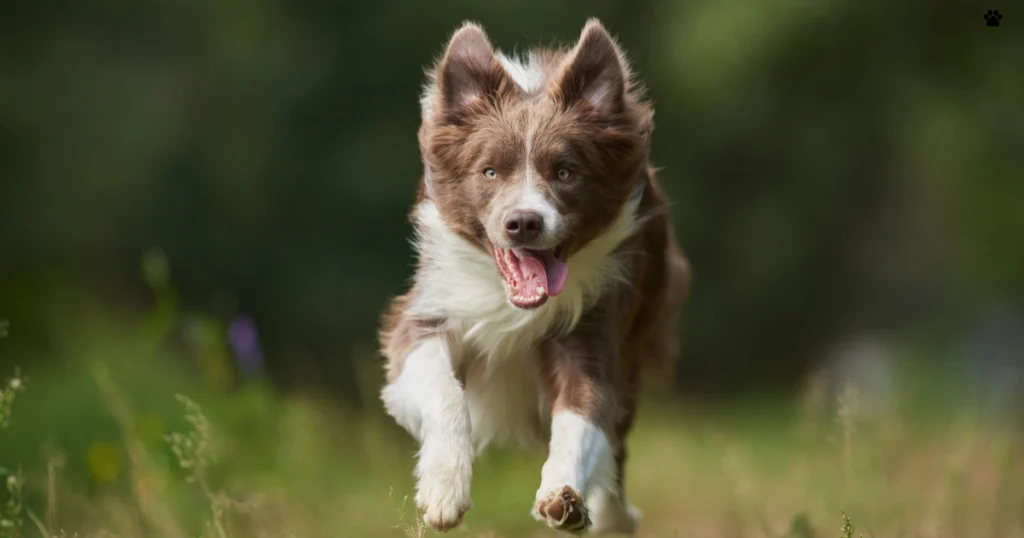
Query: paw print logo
{"points": [[992, 17]]}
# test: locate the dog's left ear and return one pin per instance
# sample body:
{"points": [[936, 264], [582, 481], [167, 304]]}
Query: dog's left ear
{"points": [[594, 73]]}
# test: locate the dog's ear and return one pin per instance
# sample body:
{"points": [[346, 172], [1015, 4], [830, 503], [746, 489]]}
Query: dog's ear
{"points": [[594, 72], [469, 72]]}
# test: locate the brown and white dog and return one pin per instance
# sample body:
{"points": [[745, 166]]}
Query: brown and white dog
{"points": [[548, 274]]}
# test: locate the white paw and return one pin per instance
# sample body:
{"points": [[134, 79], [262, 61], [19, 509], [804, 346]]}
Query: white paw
{"points": [[443, 491]]}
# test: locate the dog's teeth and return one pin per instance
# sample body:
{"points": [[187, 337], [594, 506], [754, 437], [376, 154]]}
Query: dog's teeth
{"points": [[540, 291]]}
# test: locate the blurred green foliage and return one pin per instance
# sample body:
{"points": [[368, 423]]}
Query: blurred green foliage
{"points": [[246, 462], [835, 167]]}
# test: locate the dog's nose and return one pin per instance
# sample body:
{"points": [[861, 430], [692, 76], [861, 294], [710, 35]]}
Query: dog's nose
{"points": [[523, 226]]}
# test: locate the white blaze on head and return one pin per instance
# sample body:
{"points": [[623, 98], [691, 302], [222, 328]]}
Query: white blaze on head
{"points": [[528, 74], [532, 198]]}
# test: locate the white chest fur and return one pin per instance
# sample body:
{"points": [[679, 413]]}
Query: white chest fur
{"points": [[495, 343]]}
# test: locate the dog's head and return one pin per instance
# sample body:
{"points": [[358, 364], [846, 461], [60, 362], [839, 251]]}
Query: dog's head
{"points": [[531, 160]]}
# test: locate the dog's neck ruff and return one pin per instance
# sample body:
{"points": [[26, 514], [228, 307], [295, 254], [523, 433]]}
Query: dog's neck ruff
{"points": [[460, 284]]}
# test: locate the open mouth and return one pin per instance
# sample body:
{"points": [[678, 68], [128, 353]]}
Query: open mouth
{"points": [[531, 276]]}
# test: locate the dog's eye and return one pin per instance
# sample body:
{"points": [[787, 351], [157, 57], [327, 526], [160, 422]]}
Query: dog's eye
{"points": [[564, 173], [490, 173]]}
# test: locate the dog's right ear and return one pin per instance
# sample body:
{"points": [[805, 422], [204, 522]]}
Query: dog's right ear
{"points": [[469, 72]]}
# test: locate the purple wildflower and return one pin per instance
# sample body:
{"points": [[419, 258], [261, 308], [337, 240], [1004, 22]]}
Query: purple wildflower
{"points": [[245, 342]]}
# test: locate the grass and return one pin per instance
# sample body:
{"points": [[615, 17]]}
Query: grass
{"points": [[848, 527], [11, 518], [247, 462], [123, 437]]}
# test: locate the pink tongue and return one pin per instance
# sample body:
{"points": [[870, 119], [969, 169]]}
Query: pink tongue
{"points": [[544, 269], [556, 272]]}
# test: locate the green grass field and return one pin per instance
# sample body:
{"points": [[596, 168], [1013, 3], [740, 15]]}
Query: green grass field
{"points": [[100, 443]]}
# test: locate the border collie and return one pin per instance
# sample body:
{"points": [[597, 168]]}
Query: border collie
{"points": [[547, 276]]}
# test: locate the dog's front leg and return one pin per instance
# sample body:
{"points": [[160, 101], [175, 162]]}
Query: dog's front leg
{"points": [[428, 401], [580, 456]]}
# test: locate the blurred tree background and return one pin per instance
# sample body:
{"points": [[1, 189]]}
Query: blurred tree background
{"points": [[836, 168]]}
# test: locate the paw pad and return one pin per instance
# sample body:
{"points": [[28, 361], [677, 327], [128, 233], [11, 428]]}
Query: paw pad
{"points": [[563, 510]]}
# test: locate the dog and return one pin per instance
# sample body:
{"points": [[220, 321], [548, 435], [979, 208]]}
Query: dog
{"points": [[548, 275]]}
